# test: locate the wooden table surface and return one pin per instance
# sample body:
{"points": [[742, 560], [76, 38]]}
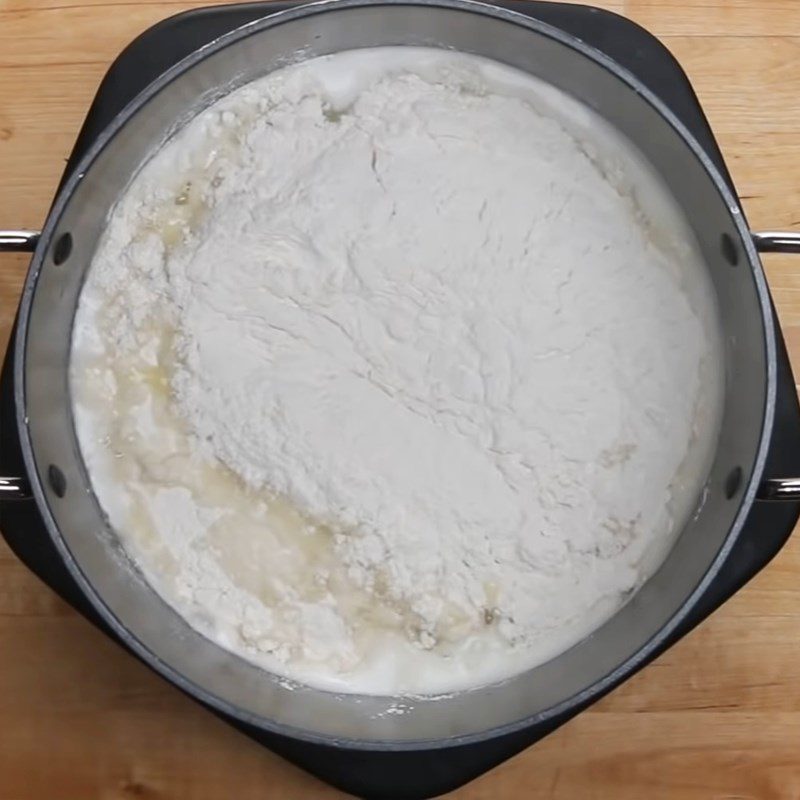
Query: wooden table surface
{"points": [[718, 716]]}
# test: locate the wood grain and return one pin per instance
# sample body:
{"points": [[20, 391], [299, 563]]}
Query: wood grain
{"points": [[718, 716]]}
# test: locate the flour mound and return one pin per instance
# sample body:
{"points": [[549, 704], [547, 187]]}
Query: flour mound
{"points": [[431, 318]]}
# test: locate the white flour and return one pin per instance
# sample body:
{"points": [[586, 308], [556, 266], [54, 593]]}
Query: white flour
{"points": [[387, 382]]}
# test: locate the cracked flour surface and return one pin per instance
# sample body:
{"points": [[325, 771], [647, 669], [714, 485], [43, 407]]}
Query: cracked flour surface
{"points": [[385, 379]]}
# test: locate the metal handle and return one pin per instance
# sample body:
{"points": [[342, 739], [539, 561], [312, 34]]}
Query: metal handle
{"points": [[778, 490], [18, 241], [777, 242], [12, 489]]}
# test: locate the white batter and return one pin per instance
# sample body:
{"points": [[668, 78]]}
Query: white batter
{"points": [[388, 379]]}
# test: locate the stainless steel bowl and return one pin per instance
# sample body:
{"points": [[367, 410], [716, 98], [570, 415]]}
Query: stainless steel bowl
{"points": [[90, 550]]}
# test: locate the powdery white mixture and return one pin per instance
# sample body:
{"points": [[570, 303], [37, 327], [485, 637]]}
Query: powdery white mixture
{"points": [[391, 382]]}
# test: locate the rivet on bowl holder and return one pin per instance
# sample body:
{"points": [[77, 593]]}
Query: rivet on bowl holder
{"points": [[57, 481], [729, 249], [733, 482], [62, 248]]}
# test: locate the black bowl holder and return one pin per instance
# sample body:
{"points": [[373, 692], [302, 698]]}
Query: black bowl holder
{"points": [[396, 774]]}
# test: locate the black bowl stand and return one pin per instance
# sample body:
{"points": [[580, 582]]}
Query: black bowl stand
{"points": [[411, 775]]}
